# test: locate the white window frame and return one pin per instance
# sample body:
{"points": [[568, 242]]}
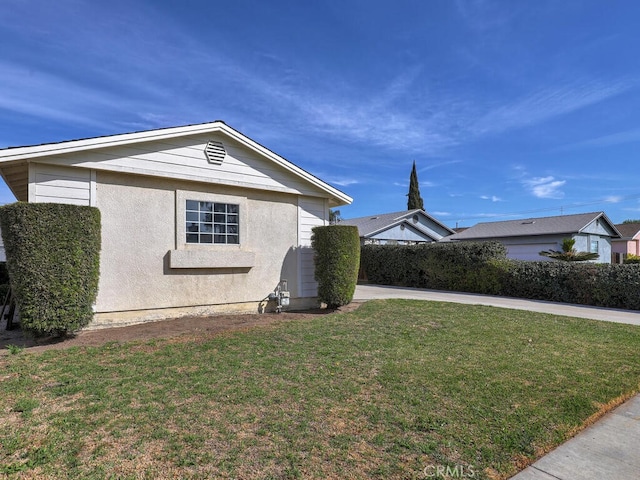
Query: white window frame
{"points": [[181, 219], [212, 223]]}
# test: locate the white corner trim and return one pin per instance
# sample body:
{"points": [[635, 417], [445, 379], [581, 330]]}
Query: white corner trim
{"points": [[93, 190]]}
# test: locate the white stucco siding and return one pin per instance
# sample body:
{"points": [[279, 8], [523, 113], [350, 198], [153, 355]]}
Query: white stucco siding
{"points": [[312, 212], [56, 184], [139, 223], [184, 158]]}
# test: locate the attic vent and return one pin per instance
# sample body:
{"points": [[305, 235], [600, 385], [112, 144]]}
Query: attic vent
{"points": [[530, 222], [215, 152]]}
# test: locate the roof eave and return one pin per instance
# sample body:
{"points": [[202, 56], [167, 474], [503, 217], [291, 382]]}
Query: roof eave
{"points": [[338, 198]]}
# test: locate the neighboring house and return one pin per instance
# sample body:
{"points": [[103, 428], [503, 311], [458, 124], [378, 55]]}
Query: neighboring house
{"points": [[197, 219], [525, 238], [629, 243], [400, 228]]}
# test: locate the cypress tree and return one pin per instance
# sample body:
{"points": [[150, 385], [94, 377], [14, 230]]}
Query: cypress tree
{"points": [[415, 200]]}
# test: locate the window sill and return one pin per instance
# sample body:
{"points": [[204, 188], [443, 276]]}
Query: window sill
{"points": [[210, 259]]}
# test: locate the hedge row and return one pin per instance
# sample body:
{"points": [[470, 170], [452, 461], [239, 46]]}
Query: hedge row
{"points": [[463, 267], [53, 262], [483, 268], [597, 284]]}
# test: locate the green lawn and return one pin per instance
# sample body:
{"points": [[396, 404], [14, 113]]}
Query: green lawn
{"points": [[387, 391]]}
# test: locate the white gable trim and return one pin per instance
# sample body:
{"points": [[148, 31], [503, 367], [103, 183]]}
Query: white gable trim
{"points": [[54, 149]]}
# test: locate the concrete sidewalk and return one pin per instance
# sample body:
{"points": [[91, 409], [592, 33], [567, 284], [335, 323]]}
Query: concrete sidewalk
{"points": [[608, 449]]}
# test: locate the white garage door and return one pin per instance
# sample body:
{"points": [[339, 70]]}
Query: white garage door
{"points": [[529, 251]]}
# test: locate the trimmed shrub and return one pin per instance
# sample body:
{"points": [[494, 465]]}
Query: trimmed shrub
{"points": [[598, 284], [459, 266], [482, 267], [337, 258], [53, 262]]}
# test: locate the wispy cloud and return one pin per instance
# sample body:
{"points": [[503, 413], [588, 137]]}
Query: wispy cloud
{"points": [[549, 102], [343, 182], [628, 136], [545, 187], [493, 198], [613, 199]]}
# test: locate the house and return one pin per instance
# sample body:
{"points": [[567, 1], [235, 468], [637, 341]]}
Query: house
{"points": [[196, 220], [524, 239], [628, 243], [401, 228]]}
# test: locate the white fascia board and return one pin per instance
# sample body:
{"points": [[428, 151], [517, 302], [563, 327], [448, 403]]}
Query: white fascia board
{"points": [[341, 197], [72, 146], [395, 224]]}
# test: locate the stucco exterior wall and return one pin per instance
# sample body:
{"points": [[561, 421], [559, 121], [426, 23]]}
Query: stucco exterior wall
{"points": [[147, 266]]}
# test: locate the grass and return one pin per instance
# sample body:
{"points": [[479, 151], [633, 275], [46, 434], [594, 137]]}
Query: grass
{"points": [[387, 391]]}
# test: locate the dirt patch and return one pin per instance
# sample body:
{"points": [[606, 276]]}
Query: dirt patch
{"points": [[160, 329]]}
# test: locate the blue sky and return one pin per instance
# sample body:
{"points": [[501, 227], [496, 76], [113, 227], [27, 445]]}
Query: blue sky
{"points": [[510, 109]]}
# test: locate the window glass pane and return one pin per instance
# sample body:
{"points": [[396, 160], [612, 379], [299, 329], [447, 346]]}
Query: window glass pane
{"points": [[205, 226]]}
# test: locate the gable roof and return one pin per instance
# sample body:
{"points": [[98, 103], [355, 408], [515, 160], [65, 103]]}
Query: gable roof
{"points": [[628, 230], [20, 155], [373, 224], [558, 225]]}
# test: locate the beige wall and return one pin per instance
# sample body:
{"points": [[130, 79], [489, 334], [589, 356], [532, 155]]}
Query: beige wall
{"points": [[142, 239]]}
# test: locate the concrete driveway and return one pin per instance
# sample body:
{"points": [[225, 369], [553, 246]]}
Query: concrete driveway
{"points": [[370, 292]]}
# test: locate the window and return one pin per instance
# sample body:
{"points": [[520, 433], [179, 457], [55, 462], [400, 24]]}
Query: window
{"points": [[594, 246], [211, 222]]}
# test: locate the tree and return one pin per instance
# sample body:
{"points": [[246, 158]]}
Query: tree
{"points": [[415, 200], [632, 221], [334, 217], [568, 253]]}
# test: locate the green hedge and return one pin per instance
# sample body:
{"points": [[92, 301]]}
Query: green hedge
{"points": [[482, 267], [459, 266], [337, 257], [53, 262], [597, 284]]}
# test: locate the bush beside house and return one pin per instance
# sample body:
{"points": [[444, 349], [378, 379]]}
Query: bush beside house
{"points": [[337, 258], [53, 263]]}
